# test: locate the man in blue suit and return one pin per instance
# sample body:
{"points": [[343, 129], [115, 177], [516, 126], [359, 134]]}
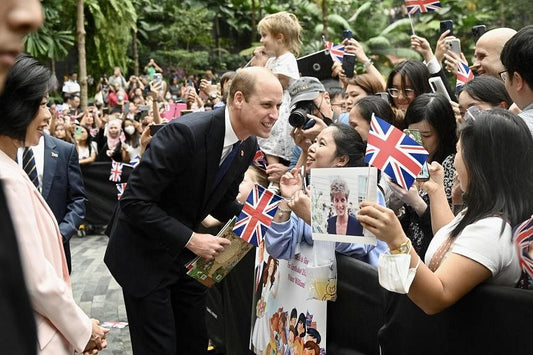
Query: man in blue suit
{"points": [[61, 184], [192, 168]]}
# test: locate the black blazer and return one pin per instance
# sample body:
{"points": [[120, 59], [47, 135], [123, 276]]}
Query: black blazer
{"points": [[168, 194]]}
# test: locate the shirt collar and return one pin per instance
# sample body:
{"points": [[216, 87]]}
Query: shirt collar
{"points": [[230, 137]]}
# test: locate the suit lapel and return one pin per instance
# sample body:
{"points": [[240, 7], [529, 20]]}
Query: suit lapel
{"points": [[214, 141], [50, 162]]}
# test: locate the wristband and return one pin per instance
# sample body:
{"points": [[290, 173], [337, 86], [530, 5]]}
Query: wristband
{"points": [[368, 63]]}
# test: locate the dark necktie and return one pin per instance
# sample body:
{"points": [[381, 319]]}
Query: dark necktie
{"points": [[28, 164], [223, 168]]}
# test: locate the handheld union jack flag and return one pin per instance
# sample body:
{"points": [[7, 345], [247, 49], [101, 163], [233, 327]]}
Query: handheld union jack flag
{"points": [[396, 154], [336, 50], [120, 189], [116, 171], [464, 75], [256, 215], [260, 160], [416, 6], [523, 238], [135, 160]]}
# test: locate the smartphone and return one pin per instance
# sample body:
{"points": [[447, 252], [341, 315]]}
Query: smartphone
{"points": [[454, 45], [437, 86], [126, 107], [144, 107], [446, 25], [157, 78], [156, 127], [423, 175], [478, 31], [105, 110], [184, 112], [78, 131], [348, 59], [417, 137]]}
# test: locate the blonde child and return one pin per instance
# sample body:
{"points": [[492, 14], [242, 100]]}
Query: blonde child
{"points": [[280, 37]]}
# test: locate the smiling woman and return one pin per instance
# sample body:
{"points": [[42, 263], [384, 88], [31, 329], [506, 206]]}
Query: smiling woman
{"points": [[61, 325]]}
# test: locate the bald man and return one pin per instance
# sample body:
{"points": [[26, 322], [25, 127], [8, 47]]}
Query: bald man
{"points": [[517, 57], [488, 49], [192, 168]]}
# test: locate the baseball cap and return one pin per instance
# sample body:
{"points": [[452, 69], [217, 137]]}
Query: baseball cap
{"points": [[306, 88]]}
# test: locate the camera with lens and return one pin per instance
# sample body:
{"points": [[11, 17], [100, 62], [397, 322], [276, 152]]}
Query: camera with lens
{"points": [[298, 116]]}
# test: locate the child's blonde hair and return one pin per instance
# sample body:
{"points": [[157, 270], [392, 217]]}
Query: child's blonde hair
{"points": [[285, 23]]}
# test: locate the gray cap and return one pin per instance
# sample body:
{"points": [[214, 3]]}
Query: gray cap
{"points": [[306, 88]]}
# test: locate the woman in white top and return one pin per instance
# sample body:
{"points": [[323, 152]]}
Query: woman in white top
{"points": [[493, 164], [86, 147]]}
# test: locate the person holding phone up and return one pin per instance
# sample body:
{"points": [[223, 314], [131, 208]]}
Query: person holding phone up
{"points": [[432, 116]]}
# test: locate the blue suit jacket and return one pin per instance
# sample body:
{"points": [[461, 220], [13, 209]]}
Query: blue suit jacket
{"points": [[353, 228], [168, 194], [62, 187]]}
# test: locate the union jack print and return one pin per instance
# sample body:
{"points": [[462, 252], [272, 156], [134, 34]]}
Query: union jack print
{"points": [[135, 160], [416, 6], [120, 189], [336, 50], [116, 171], [396, 154], [256, 215], [464, 75], [260, 160], [523, 238]]}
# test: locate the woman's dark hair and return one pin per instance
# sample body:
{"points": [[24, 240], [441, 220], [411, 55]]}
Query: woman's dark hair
{"points": [[265, 271], [27, 83], [349, 143], [369, 105], [437, 110], [301, 319], [496, 150], [369, 83], [132, 139], [487, 89], [89, 138], [416, 72]]}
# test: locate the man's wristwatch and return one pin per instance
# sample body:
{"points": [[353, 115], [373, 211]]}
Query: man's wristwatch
{"points": [[404, 248]]}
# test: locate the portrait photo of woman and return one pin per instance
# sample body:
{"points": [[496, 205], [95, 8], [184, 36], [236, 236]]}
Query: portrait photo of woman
{"points": [[342, 222]]}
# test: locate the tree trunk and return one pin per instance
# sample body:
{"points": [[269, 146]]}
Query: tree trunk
{"points": [[82, 58], [135, 51], [254, 22], [325, 18]]}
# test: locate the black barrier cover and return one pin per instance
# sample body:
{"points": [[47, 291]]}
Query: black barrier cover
{"points": [[101, 193], [489, 320]]}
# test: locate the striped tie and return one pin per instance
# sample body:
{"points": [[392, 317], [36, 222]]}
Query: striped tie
{"points": [[28, 164]]}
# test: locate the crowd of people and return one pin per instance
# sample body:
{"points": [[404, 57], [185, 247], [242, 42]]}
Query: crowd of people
{"points": [[436, 241]]}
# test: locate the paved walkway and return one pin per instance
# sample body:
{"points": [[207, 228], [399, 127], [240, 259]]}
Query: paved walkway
{"points": [[96, 292]]}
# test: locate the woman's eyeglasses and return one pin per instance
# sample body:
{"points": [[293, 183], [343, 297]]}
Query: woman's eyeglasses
{"points": [[471, 113], [396, 93], [503, 75]]}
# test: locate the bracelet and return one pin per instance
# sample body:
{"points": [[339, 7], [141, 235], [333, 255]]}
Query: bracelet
{"points": [[368, 63]]}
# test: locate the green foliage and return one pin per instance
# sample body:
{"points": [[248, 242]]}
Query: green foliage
{"points": [[197, 34], [190, 62], [109, 26], [55, 37]]}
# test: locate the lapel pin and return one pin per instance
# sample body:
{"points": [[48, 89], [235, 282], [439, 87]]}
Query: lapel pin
{"points": [[242, 153], [54, 155]]}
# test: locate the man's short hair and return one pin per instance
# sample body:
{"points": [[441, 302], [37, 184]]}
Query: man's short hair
{"points": [[517, 55]]}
